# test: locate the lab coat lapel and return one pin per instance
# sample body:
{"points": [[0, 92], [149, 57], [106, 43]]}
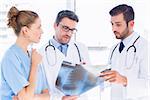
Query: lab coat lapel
{"points": [[52, 68], [119, 58], [72, 54], [131, 50], [131, 42], [116, 58]]}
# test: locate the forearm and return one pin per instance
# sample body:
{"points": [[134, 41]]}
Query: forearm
{"points": [[43, 96], [28, 91], [32, 80]]}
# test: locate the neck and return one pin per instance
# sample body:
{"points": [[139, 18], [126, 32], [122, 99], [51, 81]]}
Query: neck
{"points": [[23, 43], [55, 38], [127, 35], [130, 32]]}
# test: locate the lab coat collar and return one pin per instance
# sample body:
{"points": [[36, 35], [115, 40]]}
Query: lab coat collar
{"points": [[127, 40]]}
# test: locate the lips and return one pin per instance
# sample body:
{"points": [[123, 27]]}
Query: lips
{"points": [[116, 33], [39, 37], [67, 37]]}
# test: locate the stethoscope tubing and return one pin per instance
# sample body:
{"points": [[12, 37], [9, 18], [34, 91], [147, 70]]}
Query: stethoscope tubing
{"points": [[50, 45], [132, 46]]}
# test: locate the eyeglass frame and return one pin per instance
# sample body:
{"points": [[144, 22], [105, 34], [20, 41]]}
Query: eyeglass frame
{"points": [[67, 29]]}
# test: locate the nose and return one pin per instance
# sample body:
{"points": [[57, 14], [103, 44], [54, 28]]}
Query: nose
{"points": [[114, 28], [69, 33], [42, 31]]}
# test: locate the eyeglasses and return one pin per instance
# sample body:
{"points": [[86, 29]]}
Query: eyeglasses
{"points": [[67, 29]]}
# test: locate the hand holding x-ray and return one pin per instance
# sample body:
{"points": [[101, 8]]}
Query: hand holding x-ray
{"points": [[75, 80]]}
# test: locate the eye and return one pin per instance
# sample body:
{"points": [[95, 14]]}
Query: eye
{"points": [[118, 25], [65, 27], [112, 24]]}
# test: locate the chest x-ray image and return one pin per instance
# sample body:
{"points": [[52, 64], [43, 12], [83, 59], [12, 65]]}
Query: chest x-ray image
{"points": [[75, 80]]}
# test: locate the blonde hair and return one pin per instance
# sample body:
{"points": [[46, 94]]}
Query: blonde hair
{"points": [[18, 19]]}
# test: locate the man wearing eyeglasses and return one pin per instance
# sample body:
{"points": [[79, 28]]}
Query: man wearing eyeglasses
{"points": [[62, 48]]}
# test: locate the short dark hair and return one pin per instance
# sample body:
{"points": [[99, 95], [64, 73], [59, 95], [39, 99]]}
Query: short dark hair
{"points": [[66, 13], [127, 11]]}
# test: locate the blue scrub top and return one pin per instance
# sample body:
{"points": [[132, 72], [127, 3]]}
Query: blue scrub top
{"points": [[15, 70]]}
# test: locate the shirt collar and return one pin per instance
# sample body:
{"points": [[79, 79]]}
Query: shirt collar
{"points": [[55, 43]]}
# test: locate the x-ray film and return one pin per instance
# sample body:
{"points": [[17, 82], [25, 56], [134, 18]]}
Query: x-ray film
{"points": [[75, 80]]}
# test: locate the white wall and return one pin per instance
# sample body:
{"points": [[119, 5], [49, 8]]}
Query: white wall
{"points": [[95, 27]]}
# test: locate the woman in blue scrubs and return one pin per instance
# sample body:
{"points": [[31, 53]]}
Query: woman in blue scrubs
{"points": [[22, 78]]}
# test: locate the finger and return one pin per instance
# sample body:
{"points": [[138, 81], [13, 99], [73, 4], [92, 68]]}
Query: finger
{"points": [[109, 72], [15, 98], [110, 76], [112, 80], [73, 97], [33, 49], [104, 74]]}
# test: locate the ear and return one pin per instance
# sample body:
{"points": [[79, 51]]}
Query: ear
{"points": [[55, 25], [131, 23], [25, 31]]}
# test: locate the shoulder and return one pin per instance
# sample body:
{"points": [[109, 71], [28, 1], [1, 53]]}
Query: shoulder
{"points": [[9, 57], [142, 42], [142, 45], [81, 45], [139, 40], [9, 53]]}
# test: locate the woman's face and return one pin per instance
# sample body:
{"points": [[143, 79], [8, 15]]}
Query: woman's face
{"points": [[35, 31]]}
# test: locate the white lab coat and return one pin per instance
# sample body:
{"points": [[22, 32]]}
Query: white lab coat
{"points": [[51, 70], [137, 75]]}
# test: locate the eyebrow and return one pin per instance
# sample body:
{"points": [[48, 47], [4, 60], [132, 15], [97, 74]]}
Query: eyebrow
{"points": [[116, 22], [63, 24], [68, 27]]}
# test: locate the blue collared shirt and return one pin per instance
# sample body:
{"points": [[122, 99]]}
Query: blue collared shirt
{"points": [[57, 45]]}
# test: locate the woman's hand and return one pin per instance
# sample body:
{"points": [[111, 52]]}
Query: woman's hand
{"points": [[15, 98], [70, 98], [36, 58]]}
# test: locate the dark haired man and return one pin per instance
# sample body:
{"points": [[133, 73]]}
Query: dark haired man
{"points": [[62, 48], [128, 59]]}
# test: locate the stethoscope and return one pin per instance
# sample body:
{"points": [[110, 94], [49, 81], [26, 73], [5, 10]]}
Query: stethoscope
{"points": [[130, 47], [54, 48]]}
